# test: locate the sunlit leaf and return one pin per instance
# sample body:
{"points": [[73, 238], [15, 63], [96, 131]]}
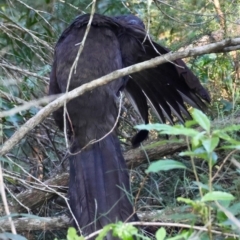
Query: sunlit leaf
{"points": [[161, 234], [196, 139], [201, 185], [217, 196], [170, 130], [124, 231], [165, 165], [71, 234], [104, 231], [210, 144], [201, 119]]}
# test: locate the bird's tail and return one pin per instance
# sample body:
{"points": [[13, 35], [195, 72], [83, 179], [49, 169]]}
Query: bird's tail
{"points": [[99, 190]]}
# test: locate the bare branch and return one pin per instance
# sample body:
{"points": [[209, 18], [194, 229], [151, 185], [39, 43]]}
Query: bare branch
{"points": [[5, 203], [35, 197], [136, 157], [31, 224]]}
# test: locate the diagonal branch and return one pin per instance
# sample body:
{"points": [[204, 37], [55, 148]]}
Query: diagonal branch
{"points": [[218, 47]]}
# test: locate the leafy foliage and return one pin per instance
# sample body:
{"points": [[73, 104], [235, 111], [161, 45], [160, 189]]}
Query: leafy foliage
{"points": [[203, 144]]}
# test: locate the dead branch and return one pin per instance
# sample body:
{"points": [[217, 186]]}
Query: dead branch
{"points": [[32, 198], [63, 222], [31, 224], [136, 157]]}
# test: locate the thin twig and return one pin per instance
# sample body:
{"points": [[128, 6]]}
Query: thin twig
{"points": [[224, 161], [74, 66], [5, 203]]}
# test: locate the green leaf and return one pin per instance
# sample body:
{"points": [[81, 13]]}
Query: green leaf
{"points": [[201, 185], [234, 209], [161, 234], [187, 153], [186, 200], [124, 231], [196, 139], [210, 144], [212, 158], [71, 234], [190, 123], [217, 196], [201, 119], [201, 153], [169, 130], [165, 165], [221, 216], [225, 136], [104, 231], [182, 236]]}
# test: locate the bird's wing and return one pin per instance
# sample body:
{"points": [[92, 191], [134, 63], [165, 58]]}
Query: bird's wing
{"points": [[166, 87], [169, 85]]}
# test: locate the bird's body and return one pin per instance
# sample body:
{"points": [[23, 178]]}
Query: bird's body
{"points": [[98, 174], [99, 190]]}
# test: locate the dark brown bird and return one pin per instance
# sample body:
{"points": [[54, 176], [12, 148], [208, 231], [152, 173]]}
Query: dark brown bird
{"points": [[99, 190]]}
